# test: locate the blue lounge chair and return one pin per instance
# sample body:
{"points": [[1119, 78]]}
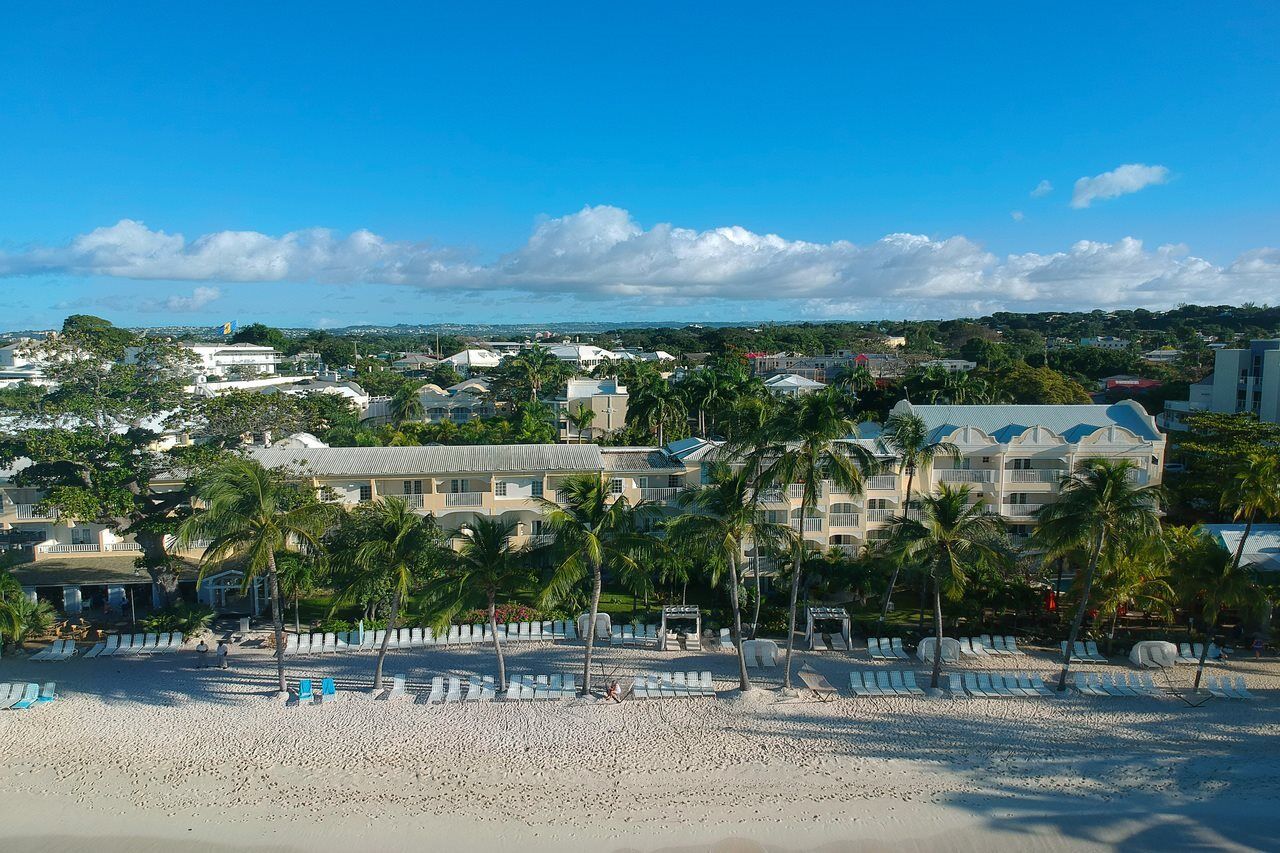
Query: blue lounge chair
{"points": [[304, 691], [30, 695], [49, 692], [327, 691]]}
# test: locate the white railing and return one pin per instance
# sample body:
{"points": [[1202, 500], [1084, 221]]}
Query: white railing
{"points": [[883, 483], [1033, 475], [962, 475], [464, 499], [772, 496], [63, 548], [1020, 510], [658, 494], [843, 548], [122, 546], [844, 519], [33, 513], [796, 490], [811, 525], [413, 501], [881, 514]]}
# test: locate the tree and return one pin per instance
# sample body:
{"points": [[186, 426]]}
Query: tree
{"points": [[719, 519], [907, 437], [299, 575], [401, 548], [1098, 508], [952, 539], [251, 514], [10, 610], [581, 419], [1022, 383], [592, 529], [524, 375], [1211, 448], [656, 408], [805, 443], [486, 566], [406, 404], [262, 335], [1140, 577]]}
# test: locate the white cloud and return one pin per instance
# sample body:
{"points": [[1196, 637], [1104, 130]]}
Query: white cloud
{"points": [[1015, 215], [1121, 180], [602, 253], [1042, 189]]}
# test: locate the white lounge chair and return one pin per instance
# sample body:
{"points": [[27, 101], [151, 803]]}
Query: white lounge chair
{"points": [[896, 650], [48, 651], [486, 689], [639, 687], [473, 689], [1091, 649], [437, 691], [397, 686], [956, 686], [873, 648]]}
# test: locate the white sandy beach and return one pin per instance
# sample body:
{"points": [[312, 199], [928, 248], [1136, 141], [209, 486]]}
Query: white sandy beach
{"points": [[140, 754]]}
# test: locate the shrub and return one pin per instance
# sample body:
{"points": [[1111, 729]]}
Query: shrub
{"points": [[190, 619]]}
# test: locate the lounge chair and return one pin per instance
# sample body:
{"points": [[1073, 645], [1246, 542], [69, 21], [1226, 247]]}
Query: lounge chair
{"points": [[48, 651], [976, 646], [528, 688], [556, 689], [436, 695], [9, 694], [639, 687], [513, 689], [839, 643], [109, 647], [290, 645], [1091, 648], [397, 686], [873, 648], [455, 690], [726, 639], [473, 689], [164, 644], [96, 650], [897, 683], [956, 686], [1011, 645], [486, 689], [909, 679], [971, 685], [48, 692], [305, 693], [570, 630], [1075, 658], [855, 683], [328, 692], [304, 644], [328, 643], [30, 696], [896, 649]]}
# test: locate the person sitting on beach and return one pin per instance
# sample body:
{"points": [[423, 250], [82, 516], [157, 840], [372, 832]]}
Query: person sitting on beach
{"points": [[614, 692]]}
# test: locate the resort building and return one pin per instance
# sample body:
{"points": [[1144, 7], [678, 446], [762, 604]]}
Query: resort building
{"points": [[1261, 549], [1243, 380], [1105, 342], [230, 361], [951, 365], [584, 357], [791, 385], [17, 366], [414, 364], [473, 360], [605, 398]]}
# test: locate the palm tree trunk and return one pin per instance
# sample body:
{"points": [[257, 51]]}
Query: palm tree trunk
{"points": [[937, 632], [277, 617], [897, 565], [1078, 621], [591, 630], [497, 646], [297, 622], [744, 680], [386, 640], [1204, 652], [755, 620], [791, 613]]}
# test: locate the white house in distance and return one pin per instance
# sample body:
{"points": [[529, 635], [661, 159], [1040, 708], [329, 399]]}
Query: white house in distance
{"points": [[16, 367], [1105, 342], [791, 385], [229, 360], [951, 365], [585, 357], [473, 359]]}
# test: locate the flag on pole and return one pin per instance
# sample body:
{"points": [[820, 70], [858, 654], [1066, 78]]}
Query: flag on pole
{"points": [[229, 328]]}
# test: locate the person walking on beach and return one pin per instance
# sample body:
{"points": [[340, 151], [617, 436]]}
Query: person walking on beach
{"points": [[1257, 647], [223, 651], [202, 650]]}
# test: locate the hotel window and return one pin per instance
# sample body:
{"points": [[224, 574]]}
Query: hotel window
{"points": [[675, 481], [535, 488], [615, 486], [1022, 464], [457, 486], [535, 527], [412, 487], [366, 494], [500, 489]]}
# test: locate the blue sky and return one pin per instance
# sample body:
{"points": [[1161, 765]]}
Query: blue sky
{"points": [[323, 165]]}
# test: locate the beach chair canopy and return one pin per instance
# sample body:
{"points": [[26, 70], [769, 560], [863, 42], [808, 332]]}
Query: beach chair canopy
{"points": [[1153, 654], [827, 620], [604, 625], [685, 615], [950, 649]]}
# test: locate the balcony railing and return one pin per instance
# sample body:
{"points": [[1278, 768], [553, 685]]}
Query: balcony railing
{"points": [[883, 483], [32, 512], [1033, 475], [961, 475], [63, 548], [850, 550], [413, 501], [811, 525], [658, 494], [881, 514], [772, 496], [122, 546], [1020, 510], [795, 491], [464, 499], [844, 519]]}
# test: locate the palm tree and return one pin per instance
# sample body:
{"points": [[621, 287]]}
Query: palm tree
{"points": [[1098, 508], [581, 419], [402, 544], [951, 539], [486, 566], [406, 404], [655, 406], [251, 514], [10, 613], [908, 438], [1140, 577], [719, 519], [804, 443], [535, 367], [299, 575], [1210, 580], [591, 530]]}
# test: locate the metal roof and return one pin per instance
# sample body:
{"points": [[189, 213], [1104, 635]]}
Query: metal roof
{"points": [[637, 459], [394, 461], [1005, 422], [1261, 549], [89, 571]]}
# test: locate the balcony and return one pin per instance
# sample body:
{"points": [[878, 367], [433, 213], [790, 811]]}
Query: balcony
{"points": [[658, 494], [811, 525], [32, 512], [881, 514], [882, 483], [122, 546], [961, 475], [844, 519], [795, 491], [773, 496], [1033, 475], [1020, 510], [464, 499], [847, 550], [414, 501], [63, 548]]}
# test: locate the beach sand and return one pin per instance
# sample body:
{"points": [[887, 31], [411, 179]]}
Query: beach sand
{"points": [[142, 754]]}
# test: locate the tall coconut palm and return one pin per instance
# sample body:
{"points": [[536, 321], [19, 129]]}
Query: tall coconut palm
{"points": [[907, 437], [951, 539], [401, 547], [485, 567], [406, 405], [250, 514], [536, 367], [10, 612], [581, 419], [718, 520], [654, 406], [1099, 507], [591, 529], [805, 444], [299, 575]]}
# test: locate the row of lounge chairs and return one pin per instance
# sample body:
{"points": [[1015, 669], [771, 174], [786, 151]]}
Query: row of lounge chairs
{"points": [[634, 635], [1223, 688], [20, 695], [886, 648], [534, 687], [673, 685], [995, 685], [987, 644], [416, 638], [1119, 684], [124, 645], [59, 650], [1190, 653], [1083, 652], [307, 695], [819, 642], [884, 682]]}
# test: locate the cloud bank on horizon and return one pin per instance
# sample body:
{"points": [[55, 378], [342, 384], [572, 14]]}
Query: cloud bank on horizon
{"points": [[602, 253]]}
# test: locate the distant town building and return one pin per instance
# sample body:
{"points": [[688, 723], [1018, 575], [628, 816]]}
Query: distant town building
{"points": [[1243, 380], [229, 361], [791, 385], [1164, 355], [1105, 342], [605, 397], [951, 365], [473, 360]]}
